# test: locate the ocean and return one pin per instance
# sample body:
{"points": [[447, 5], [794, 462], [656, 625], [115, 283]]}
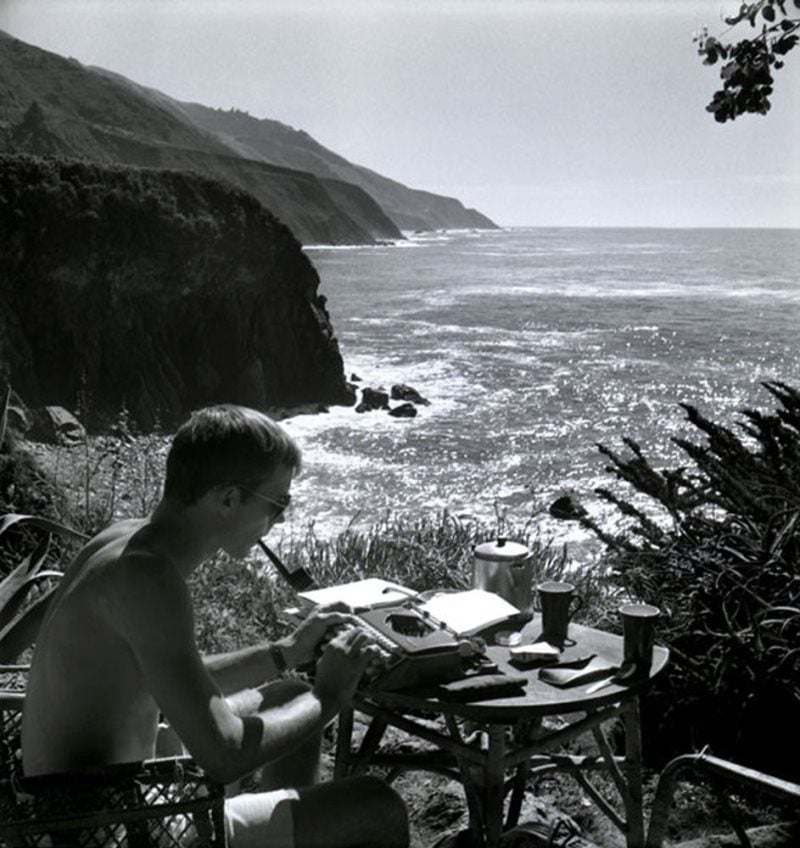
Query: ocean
{"points": [[532, 346]]}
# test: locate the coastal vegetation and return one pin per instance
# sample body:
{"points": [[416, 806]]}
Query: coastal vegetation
{"points": [[723, 564]]}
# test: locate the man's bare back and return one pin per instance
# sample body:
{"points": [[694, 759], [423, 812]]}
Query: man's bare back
{"points": [[70, 721]]}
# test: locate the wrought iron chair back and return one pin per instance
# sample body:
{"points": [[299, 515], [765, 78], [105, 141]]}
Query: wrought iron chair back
{"points": [[164, 803]]}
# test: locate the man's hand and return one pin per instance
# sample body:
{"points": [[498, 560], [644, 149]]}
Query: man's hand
{"points": [[300, 648], [340, 668]]}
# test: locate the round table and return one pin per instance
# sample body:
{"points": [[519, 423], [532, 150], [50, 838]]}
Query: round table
{"points": [[511, 736]]}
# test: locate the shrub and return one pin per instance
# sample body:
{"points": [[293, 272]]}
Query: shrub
{"points": [[722, 563]]}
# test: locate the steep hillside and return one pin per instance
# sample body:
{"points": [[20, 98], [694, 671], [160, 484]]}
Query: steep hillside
{"points": [[162, 291], [50, 105], [272, 141]]}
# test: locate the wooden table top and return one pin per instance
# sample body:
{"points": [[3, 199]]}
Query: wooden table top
{"points": [[540, 698]]}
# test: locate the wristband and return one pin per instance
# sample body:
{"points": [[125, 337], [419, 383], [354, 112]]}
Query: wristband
{"points": [[277, 657]]}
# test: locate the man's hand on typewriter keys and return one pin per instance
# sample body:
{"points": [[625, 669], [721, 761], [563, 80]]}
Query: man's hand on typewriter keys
{"points": [[340, 668], [304, 645]]}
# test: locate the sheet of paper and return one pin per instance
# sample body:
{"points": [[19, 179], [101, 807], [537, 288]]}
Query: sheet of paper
{"points": [[360, 594], [470, 611]]}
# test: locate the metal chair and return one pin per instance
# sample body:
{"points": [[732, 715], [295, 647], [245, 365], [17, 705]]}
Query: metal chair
{"points": [[704, 765], [165, 803]]}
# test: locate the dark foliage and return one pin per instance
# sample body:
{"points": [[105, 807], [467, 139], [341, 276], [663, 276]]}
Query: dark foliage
{"points": [[724, 566]]}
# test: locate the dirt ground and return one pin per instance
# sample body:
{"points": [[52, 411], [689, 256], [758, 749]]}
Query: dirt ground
{"points": [[558, 805]]}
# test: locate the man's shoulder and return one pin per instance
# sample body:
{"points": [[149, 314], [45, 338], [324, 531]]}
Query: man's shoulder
{"points": [[122, 554], [138, 584], [110, 540]]}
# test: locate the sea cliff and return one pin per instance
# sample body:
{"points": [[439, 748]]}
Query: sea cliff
{"points": [[156, 291]]}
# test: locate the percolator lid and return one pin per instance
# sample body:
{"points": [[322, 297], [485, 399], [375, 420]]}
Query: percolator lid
{"points": [[501, 550]]}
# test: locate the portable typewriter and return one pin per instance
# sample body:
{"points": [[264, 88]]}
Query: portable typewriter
{"points": [[414, 650]]}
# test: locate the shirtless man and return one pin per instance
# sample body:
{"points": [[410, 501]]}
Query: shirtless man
{"points": [[117, 649]]}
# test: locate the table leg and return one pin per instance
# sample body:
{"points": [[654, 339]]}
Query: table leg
{"points": [[634, 815], [494, 790], [369, 745], [524, 734], [484, 787], [468, 771], [517, 794]]}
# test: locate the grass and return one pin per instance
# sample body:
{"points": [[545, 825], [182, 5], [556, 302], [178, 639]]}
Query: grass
{"points": [[237, 602]]}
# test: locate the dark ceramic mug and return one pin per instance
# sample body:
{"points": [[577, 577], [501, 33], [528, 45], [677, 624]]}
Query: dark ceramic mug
{"points": [[558, 603]]}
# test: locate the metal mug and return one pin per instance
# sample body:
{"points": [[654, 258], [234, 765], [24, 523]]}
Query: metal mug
{"points": [[558, 603], [505, 568]]}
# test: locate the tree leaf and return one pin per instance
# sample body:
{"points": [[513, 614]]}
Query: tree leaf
{"points": [[10, 519], [21, 633], [784, 44]]}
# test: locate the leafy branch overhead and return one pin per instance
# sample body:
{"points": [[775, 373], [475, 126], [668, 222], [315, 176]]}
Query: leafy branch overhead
{"points": [[749, 63]]}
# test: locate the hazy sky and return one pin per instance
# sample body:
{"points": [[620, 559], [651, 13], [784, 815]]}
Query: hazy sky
{"points": [[542, 112]]}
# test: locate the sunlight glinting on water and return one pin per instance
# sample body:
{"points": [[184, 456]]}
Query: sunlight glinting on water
{"points": [[532, 346]]}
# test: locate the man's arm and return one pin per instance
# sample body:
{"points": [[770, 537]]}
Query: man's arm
{"points": [[250, 667], [246, 668], [156, 621]]}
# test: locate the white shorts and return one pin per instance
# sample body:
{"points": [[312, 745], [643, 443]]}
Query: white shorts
{"points": [[260, 819]]}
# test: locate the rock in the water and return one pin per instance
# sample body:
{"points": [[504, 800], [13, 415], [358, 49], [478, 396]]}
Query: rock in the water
{"points": [[372, 399], [400, 391], [405, 410], [56, 426], [354, 378], [567, 508]]}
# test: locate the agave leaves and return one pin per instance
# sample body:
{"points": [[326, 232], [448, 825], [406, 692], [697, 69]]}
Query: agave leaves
{"points": [[26, 592]]}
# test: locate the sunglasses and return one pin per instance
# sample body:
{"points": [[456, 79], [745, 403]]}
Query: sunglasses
{"points": [[281, 504]]}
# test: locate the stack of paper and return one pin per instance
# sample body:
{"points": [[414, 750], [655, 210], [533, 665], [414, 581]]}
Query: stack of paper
{"points": [[360, 594]]}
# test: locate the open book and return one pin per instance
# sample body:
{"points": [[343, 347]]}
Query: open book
{"points": [[466, 612]]}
